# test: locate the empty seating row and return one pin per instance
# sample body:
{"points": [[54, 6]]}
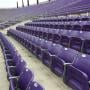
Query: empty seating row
{"points": [[66, 62], [78, 40], [84, 26], [8, 24], [64, 18], [54, 8], [19, 76]]}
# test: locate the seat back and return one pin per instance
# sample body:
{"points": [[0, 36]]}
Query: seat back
{"points": [[73, 33], [86, 26], [34, 86], [49, 46], [76, 43], [82, 62], [25, 78], [68, 55], [86, 47], [20, 66], [64, 41], [45, 33], [85, 35], [16, 57], [44, 44], [57, 48]]}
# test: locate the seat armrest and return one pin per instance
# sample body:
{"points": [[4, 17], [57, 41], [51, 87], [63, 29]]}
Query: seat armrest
{"points": [[82, 73], [43, 50], [46, 51], [70, 70], [7, 54], [9, 59], [11, 66], [13, 83], [51, 55], [67, 64], [14, 77], [11, 69], [73, 72]]}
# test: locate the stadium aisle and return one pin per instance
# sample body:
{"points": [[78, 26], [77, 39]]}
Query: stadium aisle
{"points": [[4, 84], [42, 74]]}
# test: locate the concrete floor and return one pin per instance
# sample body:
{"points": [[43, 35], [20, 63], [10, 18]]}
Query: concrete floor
{"points": [[4, 84], [42, 74]]}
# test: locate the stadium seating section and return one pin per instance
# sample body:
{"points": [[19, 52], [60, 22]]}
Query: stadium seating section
{"points": [[58, 35], [62, 44], [54, 8], [16, 68]]}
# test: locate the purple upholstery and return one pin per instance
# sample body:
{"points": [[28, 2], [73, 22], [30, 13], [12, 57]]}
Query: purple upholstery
{"points": [[35, 86], [46, 53], [64, 56], [77, 75], [26, 77], [85, 35], [19, 76], [66, 31], [62, 61], [16, 71]]}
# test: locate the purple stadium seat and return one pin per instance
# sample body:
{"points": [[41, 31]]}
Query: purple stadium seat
{"points": [[39, 48], [56, 36], [47, 52], [50, 34], [14, 60], [77, 75], [75, 40], [16, 71], [45, 33], [37, 31], [86, 47], [35, 86], [40, 32], [85, 26], [64, 40], [64, 56], [26, 77]]}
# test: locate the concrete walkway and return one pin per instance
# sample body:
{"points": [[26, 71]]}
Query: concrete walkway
{"points": [[4, 84]]}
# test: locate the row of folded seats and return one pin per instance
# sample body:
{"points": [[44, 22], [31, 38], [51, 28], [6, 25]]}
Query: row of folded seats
{"points": [[19, 76], [8, 24], [72, 65], [78, 40], [65, 18], [84, 26]]}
